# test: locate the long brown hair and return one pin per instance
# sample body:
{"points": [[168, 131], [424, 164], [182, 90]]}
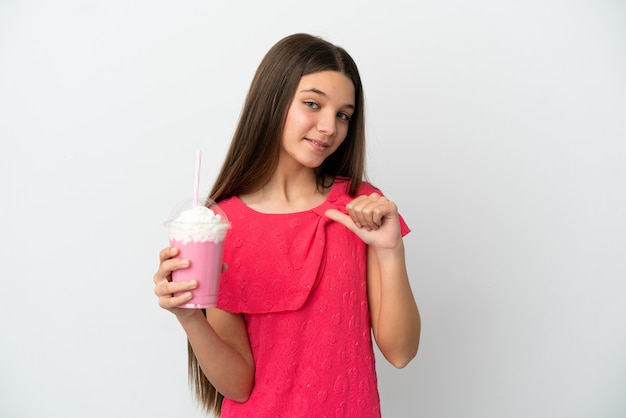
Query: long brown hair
{"points": [[255, 147], [254, 150]]}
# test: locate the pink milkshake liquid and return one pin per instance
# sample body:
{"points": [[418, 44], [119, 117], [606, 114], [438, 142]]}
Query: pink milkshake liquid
{"points": [[199, 234], [205, 267]]}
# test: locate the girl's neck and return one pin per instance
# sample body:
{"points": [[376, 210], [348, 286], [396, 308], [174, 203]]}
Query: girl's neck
{"points": [[295, 192]]}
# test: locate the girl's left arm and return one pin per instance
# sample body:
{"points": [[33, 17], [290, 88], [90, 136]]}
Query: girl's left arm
{"points": [[395, 317], [394, 314]]}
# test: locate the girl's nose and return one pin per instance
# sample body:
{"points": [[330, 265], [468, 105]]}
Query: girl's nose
{"points": [[327, 123]]}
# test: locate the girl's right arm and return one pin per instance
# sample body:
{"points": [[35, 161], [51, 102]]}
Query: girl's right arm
{"points": [[219, 341]]}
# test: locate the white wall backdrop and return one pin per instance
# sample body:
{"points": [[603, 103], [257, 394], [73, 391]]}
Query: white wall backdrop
{"points": [[499, 128]]}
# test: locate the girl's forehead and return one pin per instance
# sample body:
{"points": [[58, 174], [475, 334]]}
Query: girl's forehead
{"points": [[330, 84]]}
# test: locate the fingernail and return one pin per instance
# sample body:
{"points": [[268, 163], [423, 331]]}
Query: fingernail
{"points": [[184, 263]]}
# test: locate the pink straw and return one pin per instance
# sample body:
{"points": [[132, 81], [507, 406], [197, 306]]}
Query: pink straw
{"points": [[197, 182]]}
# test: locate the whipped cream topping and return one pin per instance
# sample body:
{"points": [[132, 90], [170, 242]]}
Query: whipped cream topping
{"points": [[199, 224]]}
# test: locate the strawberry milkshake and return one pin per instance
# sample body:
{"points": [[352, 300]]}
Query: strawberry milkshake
{"points": [[199, 234]]}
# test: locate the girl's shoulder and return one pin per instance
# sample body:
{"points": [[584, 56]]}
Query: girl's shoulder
{"points": [[365, 188], [229, 202]]}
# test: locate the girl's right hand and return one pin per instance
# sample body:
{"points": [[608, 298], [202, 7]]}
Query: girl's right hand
{"points": [[165, 288]]}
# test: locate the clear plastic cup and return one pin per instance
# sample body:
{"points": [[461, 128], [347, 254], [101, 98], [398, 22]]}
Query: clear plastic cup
{"points": [[198, 231]]}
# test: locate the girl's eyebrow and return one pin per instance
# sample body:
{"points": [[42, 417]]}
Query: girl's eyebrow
{"points": [[313, 90], [321, 93]]}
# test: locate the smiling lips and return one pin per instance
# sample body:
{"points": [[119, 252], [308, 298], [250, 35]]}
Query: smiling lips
{"points": [[320, 146]]}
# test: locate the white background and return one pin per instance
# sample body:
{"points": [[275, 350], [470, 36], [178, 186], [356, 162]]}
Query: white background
{"points": [[498, 127]]}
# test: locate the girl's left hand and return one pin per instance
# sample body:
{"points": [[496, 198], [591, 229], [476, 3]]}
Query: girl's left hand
{"points": [[372, 218]]}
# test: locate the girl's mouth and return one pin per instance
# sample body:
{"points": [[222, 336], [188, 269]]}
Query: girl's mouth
{"points": [[318, 145]]}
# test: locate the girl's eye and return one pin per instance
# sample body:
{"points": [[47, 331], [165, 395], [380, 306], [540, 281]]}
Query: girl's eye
{"points": [[343, 116]]}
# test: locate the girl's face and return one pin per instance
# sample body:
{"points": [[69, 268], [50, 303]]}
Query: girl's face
{"points": [[318, 118]]}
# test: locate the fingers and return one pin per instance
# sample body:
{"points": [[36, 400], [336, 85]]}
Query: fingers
{"points": [[167, 252], [369, 211], [174, 294], [174, 301], [168, 264], [166, 288], [171, 294]]}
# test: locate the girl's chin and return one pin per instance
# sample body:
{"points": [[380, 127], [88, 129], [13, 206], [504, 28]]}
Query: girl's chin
{"points": [[313, 164], [306, 159]]}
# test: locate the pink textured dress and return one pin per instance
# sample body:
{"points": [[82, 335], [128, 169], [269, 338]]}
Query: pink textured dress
{"points": [[300, 281]]}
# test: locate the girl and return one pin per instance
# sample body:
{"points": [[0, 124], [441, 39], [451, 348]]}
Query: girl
{"points": [[314, 261]]}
